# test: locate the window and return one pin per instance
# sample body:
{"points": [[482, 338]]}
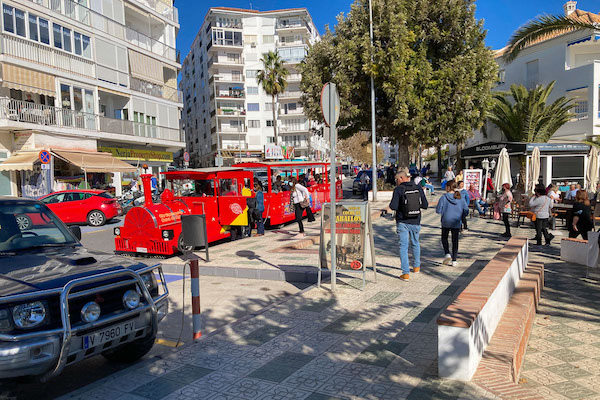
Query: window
{"points": [[270, 139], [251, 73], [250, 39], [44, 31], [228, 187], [82, 45], [8, 13], [57, 33], [66, 39], [268, 39], [33, 27], [269, 122], [268, 106], [252, 89], [20, 23], [532, 78], [501, 76], [253, 123], [253, 107]]}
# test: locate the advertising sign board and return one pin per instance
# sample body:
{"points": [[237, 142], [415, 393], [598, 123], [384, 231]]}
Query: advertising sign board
{"points": [[473, 177], [273, 152]]}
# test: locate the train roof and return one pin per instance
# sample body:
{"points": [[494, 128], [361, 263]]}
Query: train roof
{"points": [[280, 164], [210, 170]]}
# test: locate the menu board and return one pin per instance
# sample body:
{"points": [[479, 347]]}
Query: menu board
{"points": [[473, 177]]}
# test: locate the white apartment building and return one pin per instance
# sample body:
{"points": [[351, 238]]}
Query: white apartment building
{"points": [[572, 60], [94, 83], [390, 151], [224, 106]]}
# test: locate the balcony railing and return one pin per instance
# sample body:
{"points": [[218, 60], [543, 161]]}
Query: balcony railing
{"points": [[227, 78], [287, 95], [164, 92], [294, 128], [39, 114], [224, 61], [283, 43], [233, 129], [228, 112], [228, 42], [293, 24], [163, 8], [99, 21], [297, 111], [48, 56], [230, 95]]}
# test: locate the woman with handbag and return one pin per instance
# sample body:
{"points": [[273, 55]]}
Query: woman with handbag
{"points": [[541, 206], [505, 205], [299, 198]]}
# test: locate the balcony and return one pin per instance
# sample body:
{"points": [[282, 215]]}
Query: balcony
{"points": [[163, 8], [89, 17], [164, 92], [39, 114], [294, 78], [236, 94], [291, 113], [291, 95], [294, 128], [292, 25], [229, 44], [232, 129], [231, 78], [228, 112], [224, 61], [284, 43], [48, 56]]}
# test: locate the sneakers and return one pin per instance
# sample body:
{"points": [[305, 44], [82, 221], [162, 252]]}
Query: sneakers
{"points": [[405, 277], [416, 269], [455, 263], [447, 260]]}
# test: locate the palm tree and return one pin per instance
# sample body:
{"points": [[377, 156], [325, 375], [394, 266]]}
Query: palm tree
{"points": [[273, 80], [528, 118], [542, 28]]}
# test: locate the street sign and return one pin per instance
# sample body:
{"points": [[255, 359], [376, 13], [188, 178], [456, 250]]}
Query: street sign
{"points": [[45, 156], [45, 166], [329, 94], [186, 157]]}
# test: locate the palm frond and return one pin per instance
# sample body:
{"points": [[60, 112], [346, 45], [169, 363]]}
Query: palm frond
{"points": [[540, 28]]}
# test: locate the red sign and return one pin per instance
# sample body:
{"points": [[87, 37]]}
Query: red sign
{"points": [[356, 265], [44, 156]]}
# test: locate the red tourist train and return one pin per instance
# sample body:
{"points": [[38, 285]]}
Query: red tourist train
{"points": [[220, 194]]}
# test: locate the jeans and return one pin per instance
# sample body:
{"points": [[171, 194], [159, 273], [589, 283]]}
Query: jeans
{"points": [[365, 191], [479, 204], [299, 212], [446, 245], [430, 187], [260, 226], [541, 227], [408, 233]]}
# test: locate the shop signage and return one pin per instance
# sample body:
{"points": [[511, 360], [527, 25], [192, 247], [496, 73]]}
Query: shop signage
{"points": [[273, 152], [136, 154], [354, 237], [492, 149], [23, 141]]}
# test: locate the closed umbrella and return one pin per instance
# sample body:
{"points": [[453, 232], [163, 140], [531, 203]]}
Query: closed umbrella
{"points": [[534, 169], [502, 170], [591, 175]]}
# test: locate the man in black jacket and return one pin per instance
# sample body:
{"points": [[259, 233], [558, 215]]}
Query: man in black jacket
{"points": [[408, 201]]}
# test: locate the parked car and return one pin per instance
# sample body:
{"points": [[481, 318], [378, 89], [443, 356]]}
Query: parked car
{"points": [[93, 207], [61, 303], [356, 186]]}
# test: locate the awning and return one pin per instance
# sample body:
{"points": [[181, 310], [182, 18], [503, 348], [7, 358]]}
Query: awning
{"points": [[582, 40], [94, 162], [28, 80], [20, 162], [146, 68]]}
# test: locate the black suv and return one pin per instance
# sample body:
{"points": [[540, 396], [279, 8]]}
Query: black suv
{"points": [[61, 303]]}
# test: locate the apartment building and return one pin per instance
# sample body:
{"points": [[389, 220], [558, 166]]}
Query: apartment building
{"points": [[225, 109], [93, 82]]}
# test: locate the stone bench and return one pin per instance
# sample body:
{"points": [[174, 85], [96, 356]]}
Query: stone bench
{"points": [[467, 325], [579, 251]]}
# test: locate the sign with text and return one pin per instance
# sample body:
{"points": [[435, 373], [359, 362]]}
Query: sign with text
{"points": [[138, 154], [473, 177], [273, 152]]}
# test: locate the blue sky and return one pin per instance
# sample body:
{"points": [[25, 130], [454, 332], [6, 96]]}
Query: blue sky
{"points": [[501, 17]]}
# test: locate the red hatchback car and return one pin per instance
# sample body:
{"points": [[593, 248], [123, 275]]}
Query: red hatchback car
{"points": [[93, 207]]}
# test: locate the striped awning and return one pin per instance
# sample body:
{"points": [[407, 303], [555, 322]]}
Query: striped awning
{"points": [[582, 40], [94, 161], [28, 80], [20, 162], [146, 68]]}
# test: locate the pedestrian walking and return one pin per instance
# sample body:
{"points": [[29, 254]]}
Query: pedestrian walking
{"points": [[408, 200], [258, 211], [300, 200], [505, 205], [449, 175], [464, 194], [452, 208], [364, 183], [582, 216], [541, 205]]}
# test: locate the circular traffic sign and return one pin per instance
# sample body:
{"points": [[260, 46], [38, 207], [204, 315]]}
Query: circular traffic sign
{"points": [[186, 157], [330, 95], [44, 156]]}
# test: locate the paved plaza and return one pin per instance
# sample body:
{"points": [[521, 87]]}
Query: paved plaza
{"points": [[380, 343]]}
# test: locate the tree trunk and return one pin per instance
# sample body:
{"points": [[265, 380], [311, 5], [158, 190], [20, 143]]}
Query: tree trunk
{"points": [[403, 153], [274, 107], [522, 173], [460, 163], [439, 162]]}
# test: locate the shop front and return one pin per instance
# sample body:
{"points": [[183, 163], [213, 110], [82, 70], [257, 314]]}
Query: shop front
{"points": [[560, 163]]}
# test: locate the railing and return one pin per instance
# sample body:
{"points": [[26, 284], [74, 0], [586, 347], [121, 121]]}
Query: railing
{"points": [[231, 113], [163, 8], [98, 21], [230, 129], [282, 43], [227, 78], [294, 77], [294, 128], [285, 95], [227, 42], [293, 24], [230, 95], [155, 90], [46, 55], [297, 111], [39, 114]]}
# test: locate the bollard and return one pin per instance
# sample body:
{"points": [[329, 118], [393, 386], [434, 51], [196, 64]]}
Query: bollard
{"points": [[196, 317]]}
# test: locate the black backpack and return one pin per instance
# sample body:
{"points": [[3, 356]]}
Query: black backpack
{"points": [[410, 203]]}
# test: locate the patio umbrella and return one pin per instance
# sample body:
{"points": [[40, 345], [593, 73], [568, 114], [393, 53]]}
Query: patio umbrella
{"points": [[534, 169], [502, 175], [591, 175]]}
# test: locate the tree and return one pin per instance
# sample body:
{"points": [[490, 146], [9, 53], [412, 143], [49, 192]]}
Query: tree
{"points": [[359, 147], [273, 80], [542, 28], [433, 73], [528, 117]]}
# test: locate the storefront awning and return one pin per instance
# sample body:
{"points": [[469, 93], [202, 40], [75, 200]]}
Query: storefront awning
{"points": [[28, 80], [94, 162], [20, 162], [146, 68]]}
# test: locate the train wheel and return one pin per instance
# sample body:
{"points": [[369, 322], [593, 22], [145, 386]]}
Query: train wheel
{"points": [[96, 218], [181, 247]]}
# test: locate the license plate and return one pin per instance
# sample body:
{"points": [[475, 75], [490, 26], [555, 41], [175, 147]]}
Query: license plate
{"points": [[107, 334], [141, 249]]}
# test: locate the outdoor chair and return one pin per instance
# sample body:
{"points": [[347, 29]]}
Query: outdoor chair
{"points": [[523, 210]]}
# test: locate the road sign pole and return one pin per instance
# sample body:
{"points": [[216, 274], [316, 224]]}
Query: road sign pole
{"points": [[332, 180]]}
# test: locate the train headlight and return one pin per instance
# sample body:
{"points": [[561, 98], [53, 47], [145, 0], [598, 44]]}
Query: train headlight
{"points": [[117, 231], [168, 234]]}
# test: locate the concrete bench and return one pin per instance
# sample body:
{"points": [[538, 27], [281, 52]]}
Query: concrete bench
{"points": [[579, 251], [466, 327]]}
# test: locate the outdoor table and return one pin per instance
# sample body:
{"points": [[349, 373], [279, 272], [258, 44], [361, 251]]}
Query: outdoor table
{"points": [[569, 213]]}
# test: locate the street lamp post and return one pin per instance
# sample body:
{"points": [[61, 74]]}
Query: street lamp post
{"points": [[486, 165], [373, 133], [219, 162]]}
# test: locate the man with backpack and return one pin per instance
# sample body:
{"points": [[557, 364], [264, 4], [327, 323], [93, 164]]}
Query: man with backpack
{"points": [[408, 200]]}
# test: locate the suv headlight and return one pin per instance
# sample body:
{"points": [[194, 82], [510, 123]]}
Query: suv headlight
{"points": [[29, 315], [150, 282]]}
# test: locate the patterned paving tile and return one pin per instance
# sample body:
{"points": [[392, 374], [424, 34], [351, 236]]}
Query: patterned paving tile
{"points": [[285, 393], [264, 334], [568, 371], [566, 355], [380, 353], [343, 386], [572, 390], [345, 324], [384, 297], [249, 388], [187, 374], [158, 388], [564, 341]]}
